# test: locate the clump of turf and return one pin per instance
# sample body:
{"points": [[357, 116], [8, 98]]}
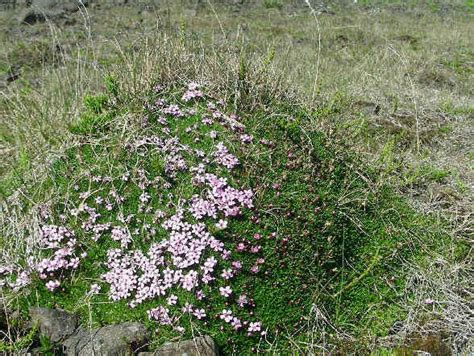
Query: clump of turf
{"points": [[196, 220]]}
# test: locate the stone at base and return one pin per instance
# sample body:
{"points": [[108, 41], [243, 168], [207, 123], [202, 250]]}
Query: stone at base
{"points": [[119, 339], [55, 324], [200, 346]]}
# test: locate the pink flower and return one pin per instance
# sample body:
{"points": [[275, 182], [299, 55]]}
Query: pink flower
{"points": [[144, 197], [255, 249], [227, 274], [187, 255], [206, 121], [172, 300], [242, 300], [193, 85], [254, 269], [188, 308], [191, 94], [173, 110], [52, 285], [201, 208], [225, 254], [255, 327], [210, 263], [162, 120], [221, 224], [160, 314], [226, 315], [246, 139], [95, 289], [236, 265], [236, 323], [190, 280], [199, 313], [207, 278], [240, 247], [225, 291]]}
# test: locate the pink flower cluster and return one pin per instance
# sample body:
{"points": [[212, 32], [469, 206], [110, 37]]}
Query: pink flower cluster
{"points": [[63, 243], [160, 314], [176, 262], [122, 235], [192, 92], [227, 199], [224, 158], [221, 197], [201, 208], [172, 110]]}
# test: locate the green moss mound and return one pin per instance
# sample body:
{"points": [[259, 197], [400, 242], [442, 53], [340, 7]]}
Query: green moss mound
{"points": [[324, 239]]}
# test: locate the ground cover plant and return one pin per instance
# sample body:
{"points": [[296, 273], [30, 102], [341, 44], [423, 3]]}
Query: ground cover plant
{"points": [[315, 248], [202, 221]]}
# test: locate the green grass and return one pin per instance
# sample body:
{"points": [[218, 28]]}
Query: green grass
{"points": [[273, 4]]}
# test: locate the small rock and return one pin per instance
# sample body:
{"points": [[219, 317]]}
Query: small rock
{"points": [[31, 16], [119, 339], [41, 10], [54, 324], [200, 346]]}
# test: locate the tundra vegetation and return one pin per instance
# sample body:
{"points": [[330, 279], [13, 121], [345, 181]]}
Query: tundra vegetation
{"points": [[286, 177]]}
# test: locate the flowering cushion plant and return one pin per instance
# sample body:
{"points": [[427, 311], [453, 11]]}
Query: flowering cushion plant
{"points": [[194, 221]]}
